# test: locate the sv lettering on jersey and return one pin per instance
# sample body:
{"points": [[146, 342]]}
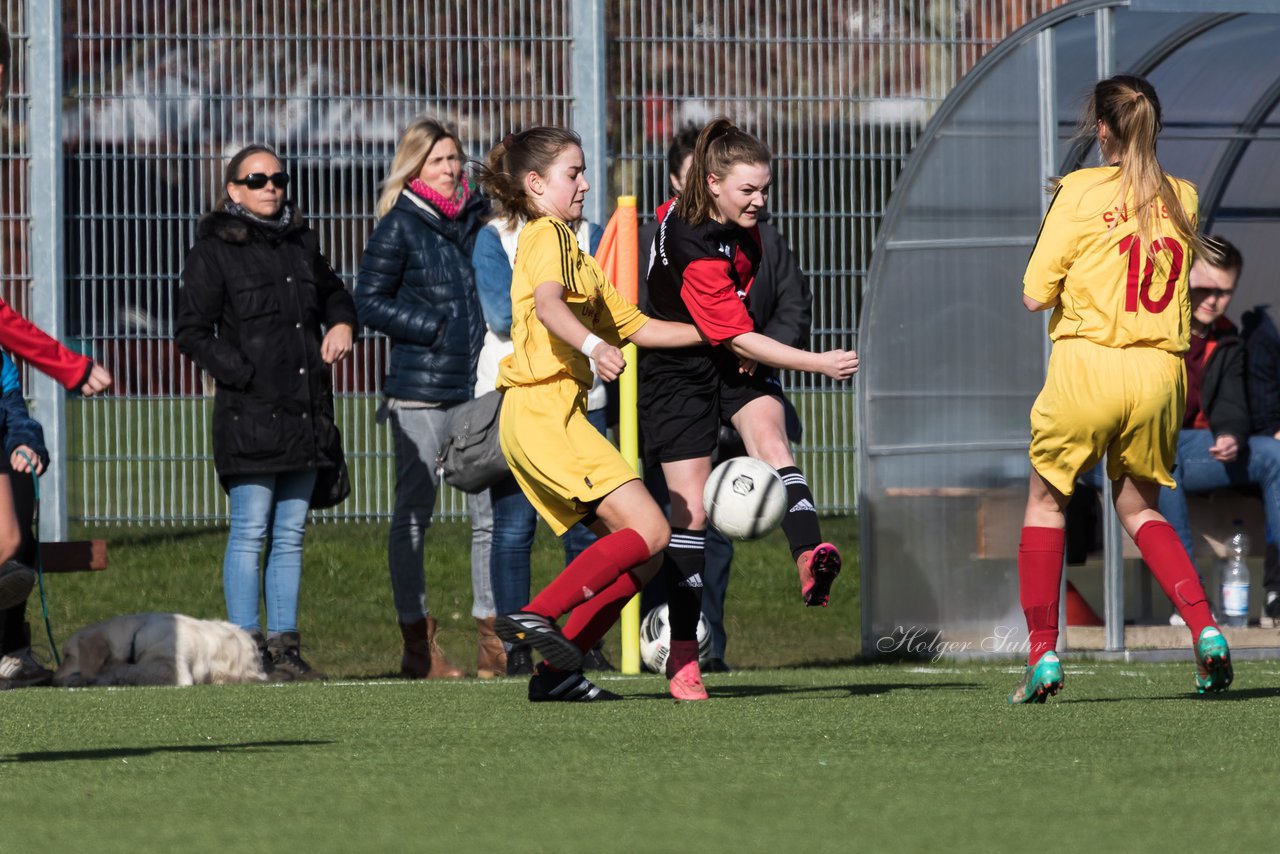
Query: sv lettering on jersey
{"points": [[1121, 214]]}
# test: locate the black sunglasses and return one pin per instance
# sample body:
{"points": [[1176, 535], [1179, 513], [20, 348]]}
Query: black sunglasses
{"points": [[258, 180]]}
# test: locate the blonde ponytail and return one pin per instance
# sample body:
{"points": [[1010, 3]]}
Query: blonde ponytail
{"points": [[1130, 110]]}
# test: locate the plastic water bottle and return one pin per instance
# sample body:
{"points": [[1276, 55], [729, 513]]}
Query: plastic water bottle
{"points": [[1235, 579]]}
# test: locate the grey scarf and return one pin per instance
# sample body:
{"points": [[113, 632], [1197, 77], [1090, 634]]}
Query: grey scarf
{"points": [[280, 223]]}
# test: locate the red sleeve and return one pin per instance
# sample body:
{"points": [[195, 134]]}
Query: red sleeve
{"points": [[709, 294], [28, 342]]}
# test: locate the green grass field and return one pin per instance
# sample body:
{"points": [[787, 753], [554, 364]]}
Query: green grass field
{"points": [[800, 749], [873, 758], [345, 614]]}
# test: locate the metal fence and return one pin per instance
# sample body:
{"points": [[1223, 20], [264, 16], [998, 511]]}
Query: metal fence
{"points": [[154, 95]]}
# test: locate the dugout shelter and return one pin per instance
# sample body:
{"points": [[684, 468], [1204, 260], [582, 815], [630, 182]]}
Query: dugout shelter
{"points": [[951, 359]]}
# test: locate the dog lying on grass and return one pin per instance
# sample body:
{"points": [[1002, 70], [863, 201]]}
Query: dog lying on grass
{"points": [[159, 649]]}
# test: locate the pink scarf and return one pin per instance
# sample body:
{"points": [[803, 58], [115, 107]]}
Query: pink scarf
{"points": [[449, 207]]}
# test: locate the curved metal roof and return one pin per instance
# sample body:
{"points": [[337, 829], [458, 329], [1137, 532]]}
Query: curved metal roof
{"points": [[951, 361]]}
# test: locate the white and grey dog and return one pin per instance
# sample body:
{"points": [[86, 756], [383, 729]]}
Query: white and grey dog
{"points": [[159, 649]]}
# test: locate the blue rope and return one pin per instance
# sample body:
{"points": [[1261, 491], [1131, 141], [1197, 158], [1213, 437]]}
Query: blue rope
{"points": [[35, 523]]}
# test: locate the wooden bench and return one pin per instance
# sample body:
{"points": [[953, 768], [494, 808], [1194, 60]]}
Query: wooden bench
{"points": [[999, 524], [998, 517], [74, 556]]}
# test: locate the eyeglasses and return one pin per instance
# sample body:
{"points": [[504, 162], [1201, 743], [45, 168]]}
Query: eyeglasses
{"points": [[258, 180], [1217, 293]]}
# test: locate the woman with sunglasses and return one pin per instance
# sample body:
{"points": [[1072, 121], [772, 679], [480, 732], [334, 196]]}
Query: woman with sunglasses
{"points": [[416, 286], [257, 296]]}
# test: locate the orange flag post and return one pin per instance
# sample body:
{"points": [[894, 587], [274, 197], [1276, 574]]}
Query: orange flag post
{"points": [[619, 257]]}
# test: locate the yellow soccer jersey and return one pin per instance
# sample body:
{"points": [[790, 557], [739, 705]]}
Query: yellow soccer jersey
{"points": [[547, 251], [1089, 258]]}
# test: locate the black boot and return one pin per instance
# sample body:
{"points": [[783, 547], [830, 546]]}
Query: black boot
{"points": [[287, 664], [595, 660], [519, 660]]}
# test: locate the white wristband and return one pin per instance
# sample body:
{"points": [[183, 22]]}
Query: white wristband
{"points": [[590, 343]]}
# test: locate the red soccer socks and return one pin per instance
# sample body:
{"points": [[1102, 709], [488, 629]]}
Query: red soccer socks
{"points": [[1169, 563], [591, 572], [1039, 584]]}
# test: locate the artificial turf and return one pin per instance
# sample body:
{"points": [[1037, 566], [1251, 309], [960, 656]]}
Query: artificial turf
{"points": [[859, 758], [799, 749]]}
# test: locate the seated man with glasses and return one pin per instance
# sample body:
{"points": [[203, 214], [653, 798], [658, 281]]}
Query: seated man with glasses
{"points": [[1215, 448]]}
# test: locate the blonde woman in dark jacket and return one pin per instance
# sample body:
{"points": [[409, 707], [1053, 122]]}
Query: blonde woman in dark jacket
{"points": [[417, 286], [256, 297]]}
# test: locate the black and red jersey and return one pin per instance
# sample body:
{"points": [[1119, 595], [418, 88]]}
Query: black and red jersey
{"points": [[702, 274]]}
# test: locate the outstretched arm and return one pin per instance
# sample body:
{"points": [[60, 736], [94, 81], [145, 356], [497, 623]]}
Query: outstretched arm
{"points": [[662, 334], [71, 370], [752, 346]]}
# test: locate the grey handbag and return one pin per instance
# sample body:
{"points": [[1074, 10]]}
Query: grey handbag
{"points": [[470, 458]]}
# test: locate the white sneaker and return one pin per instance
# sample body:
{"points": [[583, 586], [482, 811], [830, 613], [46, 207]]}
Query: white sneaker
{"points": [[1267, 621], [19, 669]]}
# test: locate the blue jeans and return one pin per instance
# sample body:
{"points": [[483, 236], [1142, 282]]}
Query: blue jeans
{"points": [[260, 503], [514, 524], [1258, 463], [417, 435]]}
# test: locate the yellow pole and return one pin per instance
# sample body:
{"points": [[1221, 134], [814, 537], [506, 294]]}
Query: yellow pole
{"points": [[627, 279]]}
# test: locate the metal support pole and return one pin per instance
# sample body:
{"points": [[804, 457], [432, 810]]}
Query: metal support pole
{"points": [[1112, 534], [1047, 74], [590, 115], [44, 127], [1046, 96]]}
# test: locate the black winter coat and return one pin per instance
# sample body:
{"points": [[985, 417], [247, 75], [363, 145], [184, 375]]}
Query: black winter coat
{"points": [[417, 286], [1223, 399], [1262, 358], [250, 313]]}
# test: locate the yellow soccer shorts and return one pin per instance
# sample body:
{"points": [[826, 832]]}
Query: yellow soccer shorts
{"points": [[1126, 402], [560, 460]]}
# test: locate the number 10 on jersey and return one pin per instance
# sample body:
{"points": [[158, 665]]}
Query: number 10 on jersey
{"points": [[1138, 287]]}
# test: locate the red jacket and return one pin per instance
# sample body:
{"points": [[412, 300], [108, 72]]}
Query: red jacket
{"points": [[26, 341]]}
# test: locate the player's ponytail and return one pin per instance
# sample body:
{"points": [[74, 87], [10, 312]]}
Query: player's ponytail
{"points": [[511, 160], [721, 145], [1130, 109]]}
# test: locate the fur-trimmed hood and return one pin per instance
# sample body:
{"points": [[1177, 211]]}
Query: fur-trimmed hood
{"points": [[240, 231]]}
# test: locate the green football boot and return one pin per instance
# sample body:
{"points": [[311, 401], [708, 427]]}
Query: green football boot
{"points": [[1213, 661], [1041, 682]]}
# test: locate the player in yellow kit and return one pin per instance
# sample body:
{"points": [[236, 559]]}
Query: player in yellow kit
{"points": [[1112, 261], [564, 313]]}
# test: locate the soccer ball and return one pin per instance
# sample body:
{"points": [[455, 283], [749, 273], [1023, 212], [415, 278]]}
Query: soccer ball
{"points": [[655, 639], [744, 498]]}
